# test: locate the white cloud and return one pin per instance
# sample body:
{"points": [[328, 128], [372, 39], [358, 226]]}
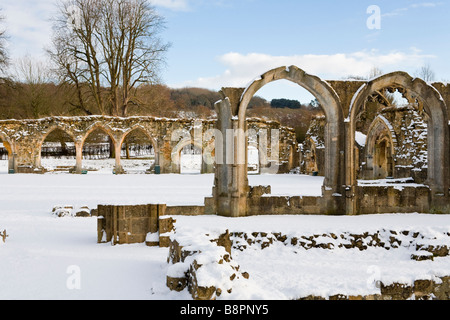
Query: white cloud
{"points": [[178, 5], [240, 69], [28, 25], [400, 11]]}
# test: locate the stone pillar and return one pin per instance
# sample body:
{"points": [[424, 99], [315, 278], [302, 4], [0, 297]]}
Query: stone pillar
{"points": [[12, 165], [79, 157], [207, 163], [230, 183], [350, 171], [118, 169]]}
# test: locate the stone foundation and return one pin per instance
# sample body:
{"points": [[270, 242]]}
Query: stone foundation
{"points": [[129, 224], [151, 224], [184, 262], [380, 199]]}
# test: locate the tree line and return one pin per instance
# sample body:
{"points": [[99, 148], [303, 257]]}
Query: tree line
{"points": [[106, 58]]}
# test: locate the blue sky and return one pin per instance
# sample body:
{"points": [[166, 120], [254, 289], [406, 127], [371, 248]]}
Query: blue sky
{"points": [[219, 43]]}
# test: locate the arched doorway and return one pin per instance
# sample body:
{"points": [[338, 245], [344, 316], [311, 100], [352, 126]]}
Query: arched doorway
{"points": [[191, 159], [331, 107], [379, 150], [138, 152], [58, 152], [231, 186], [426, 98], [99, 151]]}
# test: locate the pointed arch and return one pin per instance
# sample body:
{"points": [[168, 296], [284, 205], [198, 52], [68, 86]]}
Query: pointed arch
{"points": [[139, 128], [329, 102], [438, 142], [380, 131], [98, 126]]}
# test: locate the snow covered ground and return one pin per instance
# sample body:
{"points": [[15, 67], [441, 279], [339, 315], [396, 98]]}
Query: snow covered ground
{"points": [[46, 257]]}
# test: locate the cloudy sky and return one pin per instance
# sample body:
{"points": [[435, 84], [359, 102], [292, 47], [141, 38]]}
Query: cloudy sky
{"points": [[217, 43]]}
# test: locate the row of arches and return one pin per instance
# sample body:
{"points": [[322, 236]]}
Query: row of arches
{"points": [[417, 92], [136, 152], [61, 145]]}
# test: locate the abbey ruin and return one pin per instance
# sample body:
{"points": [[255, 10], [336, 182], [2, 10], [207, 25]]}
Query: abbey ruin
{"points": [[363, 137], [408, 142]]}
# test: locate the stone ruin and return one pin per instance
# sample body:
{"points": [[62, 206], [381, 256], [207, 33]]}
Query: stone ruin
{"points": [[362, 137], [24, 139]]}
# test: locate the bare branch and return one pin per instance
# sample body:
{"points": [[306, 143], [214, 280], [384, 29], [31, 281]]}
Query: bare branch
{"points": [[113, 46]]}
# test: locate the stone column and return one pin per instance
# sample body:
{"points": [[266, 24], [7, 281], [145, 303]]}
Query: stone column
{"points": [[230, 183], [118, 169], [350, 171], [79, 157]]}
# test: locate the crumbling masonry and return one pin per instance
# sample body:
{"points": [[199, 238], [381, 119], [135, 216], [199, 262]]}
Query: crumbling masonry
{"points": [[342, 103]]}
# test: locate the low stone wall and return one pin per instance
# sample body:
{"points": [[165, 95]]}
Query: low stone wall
{"points": [[150, 224], [185, 210], [274, 205], [382, 199], [420, 290], [369, 200], [188, 268], [129, 224], [186, 263]]}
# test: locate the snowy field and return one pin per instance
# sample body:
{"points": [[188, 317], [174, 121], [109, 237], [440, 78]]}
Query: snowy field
{"points": [[42, 252]]}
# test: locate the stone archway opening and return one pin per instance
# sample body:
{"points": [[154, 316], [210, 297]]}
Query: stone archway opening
{"points": [[382, 160], [323, 98], [420, 126], [99, 152], [394, 127], [294, 107], [253, 160], [138, 152], [191, 159], [231, 183], [58, 152]]}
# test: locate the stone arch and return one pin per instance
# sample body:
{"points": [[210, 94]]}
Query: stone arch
{"points": [[145, 132], [110, 133], [380, 131], [149, 136], [100, 126], [176, 154], [54, 128], [438, 142], [49, 131], [331, 105]]}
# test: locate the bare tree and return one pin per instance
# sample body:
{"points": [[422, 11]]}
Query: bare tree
{"points": [[3, 52], [374, 72], [32, 78], [107, 49], [426, 73]]}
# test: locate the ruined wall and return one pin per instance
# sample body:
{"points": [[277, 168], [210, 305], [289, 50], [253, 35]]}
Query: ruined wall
{"points": [[444, 90], [345, 89], [129, 224], [411, 152], [313, 150], [287, 157], [24, 139], [188, 259], [390, 199]]}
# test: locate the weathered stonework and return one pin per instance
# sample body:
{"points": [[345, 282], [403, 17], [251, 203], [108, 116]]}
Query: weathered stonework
{"points": [[24, 139], [342, 158], [184, 266], [129, 224]]}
